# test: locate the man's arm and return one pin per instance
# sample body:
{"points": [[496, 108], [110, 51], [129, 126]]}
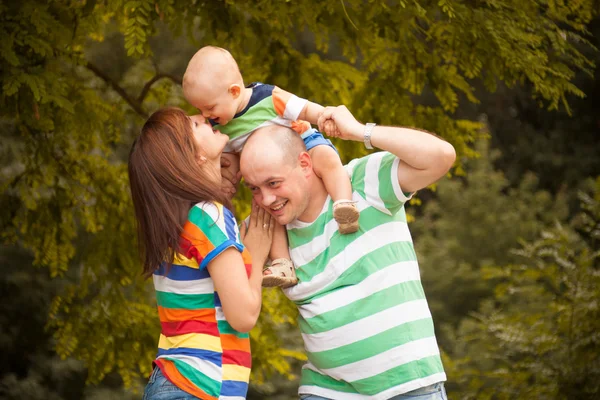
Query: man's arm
{"points": [[424, 158]]}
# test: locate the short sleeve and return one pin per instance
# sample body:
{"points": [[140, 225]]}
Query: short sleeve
{"points": [[375, 178], [209, 230], [287, 105]]}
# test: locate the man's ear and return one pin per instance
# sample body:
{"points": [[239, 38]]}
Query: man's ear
{"points": [[305, 163], [235, 90]]}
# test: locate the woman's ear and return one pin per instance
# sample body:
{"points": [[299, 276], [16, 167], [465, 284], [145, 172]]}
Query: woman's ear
{"points": [[201, 159]]}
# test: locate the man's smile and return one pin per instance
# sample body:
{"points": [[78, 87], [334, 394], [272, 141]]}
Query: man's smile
{"points": [[277, 208]]}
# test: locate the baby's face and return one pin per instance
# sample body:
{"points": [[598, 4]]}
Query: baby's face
{"points": [[218, 105]]}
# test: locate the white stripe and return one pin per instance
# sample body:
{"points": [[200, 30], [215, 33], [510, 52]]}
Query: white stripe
{"points": [[220, 315], [392, 358], [197, 286], [209, 208], [294, 107], [387, 277], [367, 327], [231, 398], [382, 235], [304, 254], [211, 370], [387, 394], [396, 184], [372, 182]]}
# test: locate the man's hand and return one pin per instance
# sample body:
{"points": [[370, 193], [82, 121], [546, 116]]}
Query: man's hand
{"points": [[339, 122], [230, 174]]}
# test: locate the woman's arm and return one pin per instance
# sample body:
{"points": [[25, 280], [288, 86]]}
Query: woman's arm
{"points": [[241, 295]]}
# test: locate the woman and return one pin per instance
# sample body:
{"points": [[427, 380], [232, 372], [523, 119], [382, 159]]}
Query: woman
{"points": [[208, 289]]}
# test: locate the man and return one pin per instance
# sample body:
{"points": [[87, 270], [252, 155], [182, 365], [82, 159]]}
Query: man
{"points": [[365, 322]]}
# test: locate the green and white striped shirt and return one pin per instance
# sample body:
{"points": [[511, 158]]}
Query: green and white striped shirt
{"points": [[366, 325]]}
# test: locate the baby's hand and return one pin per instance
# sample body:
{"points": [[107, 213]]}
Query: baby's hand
{"points": [[329, 128]]}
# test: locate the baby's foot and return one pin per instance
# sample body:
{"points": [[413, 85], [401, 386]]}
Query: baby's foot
{"points": [[346, 215], [281, 273]]}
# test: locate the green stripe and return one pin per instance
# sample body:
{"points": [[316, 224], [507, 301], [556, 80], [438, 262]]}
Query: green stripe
{"points": [[386, 190], [256, 115], [299, 236], [205, 383], [358, 176], [368, 264], [376, 384], [373, 345], [185, 301], [374, 303], [369, 218], [226, 329], [207, 225]]}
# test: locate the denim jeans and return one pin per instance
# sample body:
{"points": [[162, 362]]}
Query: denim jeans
{"points": [[431, 392], [160, 388]]}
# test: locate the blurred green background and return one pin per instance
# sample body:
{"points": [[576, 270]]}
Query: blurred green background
{"points": [[508, 243]]}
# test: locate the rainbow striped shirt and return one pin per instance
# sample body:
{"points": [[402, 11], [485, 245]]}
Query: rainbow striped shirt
{"points": [[198, 350]]}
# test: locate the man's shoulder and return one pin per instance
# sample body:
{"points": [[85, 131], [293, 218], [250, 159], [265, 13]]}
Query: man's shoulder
{"points": [[373, 160]]}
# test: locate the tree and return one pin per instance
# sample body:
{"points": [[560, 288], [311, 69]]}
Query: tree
{"points": [[68, 121], [539, 337], [472, 223], [560, 147]]}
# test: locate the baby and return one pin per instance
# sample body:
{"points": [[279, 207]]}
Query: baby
{"points": [[214, 85]]}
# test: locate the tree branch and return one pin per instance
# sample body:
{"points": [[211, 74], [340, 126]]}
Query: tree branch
{"points": [[151, 82], [136, 105]]}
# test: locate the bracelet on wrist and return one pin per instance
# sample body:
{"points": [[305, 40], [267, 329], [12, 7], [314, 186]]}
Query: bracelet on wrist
{"points": [[367, 135]]}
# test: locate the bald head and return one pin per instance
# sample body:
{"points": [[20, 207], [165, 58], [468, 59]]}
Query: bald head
{"points": [[273, 143], [209, 68]]}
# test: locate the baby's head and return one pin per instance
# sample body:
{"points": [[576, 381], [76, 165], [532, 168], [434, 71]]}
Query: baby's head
{"points": [[213, 84]]}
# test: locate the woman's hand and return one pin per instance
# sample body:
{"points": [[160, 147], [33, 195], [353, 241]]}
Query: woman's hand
{"points": [[230, 174], [258, 235]]}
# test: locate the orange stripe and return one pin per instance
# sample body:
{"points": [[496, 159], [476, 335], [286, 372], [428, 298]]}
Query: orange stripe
{"points": [[197, 238], [232, 342], [246, 257], [178, 314], [300, 126], [278, 101], [183, 383]]}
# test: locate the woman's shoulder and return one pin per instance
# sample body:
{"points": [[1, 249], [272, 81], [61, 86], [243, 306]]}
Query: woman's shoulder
{"points": [[210, 212]]}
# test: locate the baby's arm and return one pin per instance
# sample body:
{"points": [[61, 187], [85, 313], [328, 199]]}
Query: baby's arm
{"points": [[311, 112]]}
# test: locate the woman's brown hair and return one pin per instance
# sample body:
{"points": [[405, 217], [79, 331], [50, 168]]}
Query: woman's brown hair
{"points": [[166, 179]]}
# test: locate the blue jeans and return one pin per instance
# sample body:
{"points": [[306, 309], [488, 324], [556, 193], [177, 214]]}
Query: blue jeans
{"points": [[431, 392], [160, 388]]}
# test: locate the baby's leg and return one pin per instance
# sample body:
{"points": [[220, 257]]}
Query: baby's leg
{"points": [[281, 272], [328, 166]]}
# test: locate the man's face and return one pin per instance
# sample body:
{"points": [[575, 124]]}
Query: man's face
{"points": [[280, 186]]}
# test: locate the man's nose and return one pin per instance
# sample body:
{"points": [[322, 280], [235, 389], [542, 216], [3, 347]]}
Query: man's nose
{"points": [[268, 199]]}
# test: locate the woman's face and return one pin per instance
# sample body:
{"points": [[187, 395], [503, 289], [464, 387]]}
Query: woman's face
{"points": [[209, 141]]}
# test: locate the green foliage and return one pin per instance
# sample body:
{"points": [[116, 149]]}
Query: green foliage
{"points": [[539, 338], [70, 117], [472, 223]]}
